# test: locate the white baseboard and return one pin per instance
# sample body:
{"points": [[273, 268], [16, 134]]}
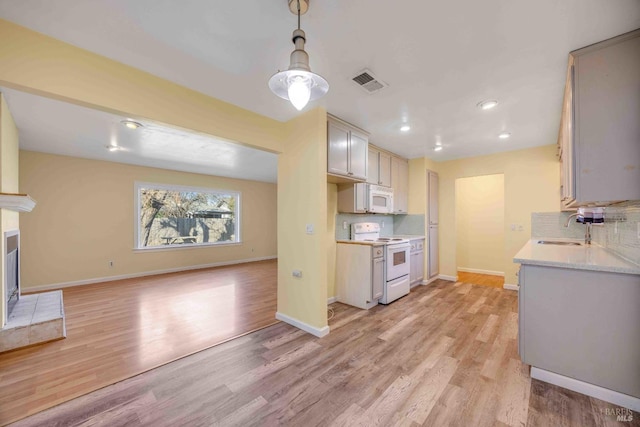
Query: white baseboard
{"points": [[511, 287], [142, 274], [429, 281], [598, 392], [318, 332], [449, 278], [331, 300], [479, 271]]}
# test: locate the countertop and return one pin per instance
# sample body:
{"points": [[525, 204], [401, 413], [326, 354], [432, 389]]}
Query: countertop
{"points": [[355, 242], [409, 236], [584, 257]]}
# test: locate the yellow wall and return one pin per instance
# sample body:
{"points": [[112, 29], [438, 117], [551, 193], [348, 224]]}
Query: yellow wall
{"points": [[9, 220], [302, 200], [480, 223], [332, 211], [531, 183], [85, 218]]}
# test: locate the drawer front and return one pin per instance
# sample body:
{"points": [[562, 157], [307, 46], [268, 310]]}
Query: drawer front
{"points": [[378, 251]]}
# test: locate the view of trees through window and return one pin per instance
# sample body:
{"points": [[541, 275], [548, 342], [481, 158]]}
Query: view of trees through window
{"points": [[186, 216]]}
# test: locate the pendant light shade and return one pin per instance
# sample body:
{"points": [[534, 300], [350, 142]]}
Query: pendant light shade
{"points": [[298, 84]]}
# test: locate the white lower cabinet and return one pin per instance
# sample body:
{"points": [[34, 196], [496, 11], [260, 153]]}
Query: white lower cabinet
{"points": [[360, 276], [417, 261]]}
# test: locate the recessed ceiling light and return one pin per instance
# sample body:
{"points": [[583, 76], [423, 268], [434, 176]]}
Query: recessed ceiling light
{"points": [[487, 105], [504, 135], [131, 124], [405, 128], [113, 147], [438, 143], [438, 148]]}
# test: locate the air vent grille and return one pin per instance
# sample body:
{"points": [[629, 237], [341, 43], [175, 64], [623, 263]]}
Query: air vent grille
{"points": [[367, 81]]}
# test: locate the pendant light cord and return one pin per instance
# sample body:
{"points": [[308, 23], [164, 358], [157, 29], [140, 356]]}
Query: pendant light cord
{"points": [[298, 14]]}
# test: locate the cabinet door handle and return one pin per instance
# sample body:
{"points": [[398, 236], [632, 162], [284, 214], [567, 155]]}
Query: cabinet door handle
{"points": [[349, 173]]}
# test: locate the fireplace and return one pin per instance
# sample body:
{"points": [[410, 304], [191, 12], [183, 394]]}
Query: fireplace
{"points": [[12, 272]]}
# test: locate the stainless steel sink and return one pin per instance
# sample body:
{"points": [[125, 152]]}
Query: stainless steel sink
{"points": [[553, 242]]}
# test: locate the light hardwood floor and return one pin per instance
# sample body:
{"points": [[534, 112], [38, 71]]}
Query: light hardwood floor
{"points": [[119, 329], [481, 279], [446, 354]]}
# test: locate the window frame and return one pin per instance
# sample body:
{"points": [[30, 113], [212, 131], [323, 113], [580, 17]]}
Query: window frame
{"points": [[138, 185]]}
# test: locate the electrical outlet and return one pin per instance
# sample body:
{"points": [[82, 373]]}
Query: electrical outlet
{"points": [[296, 273], [309, 228], [110, 264], [344, 225]]}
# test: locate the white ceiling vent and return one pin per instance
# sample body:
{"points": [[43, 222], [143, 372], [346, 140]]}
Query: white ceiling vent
{"points": [[368, 82]]}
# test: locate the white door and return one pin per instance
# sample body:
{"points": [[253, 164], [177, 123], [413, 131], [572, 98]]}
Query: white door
{"points": [[433, 198], [433, 251]]}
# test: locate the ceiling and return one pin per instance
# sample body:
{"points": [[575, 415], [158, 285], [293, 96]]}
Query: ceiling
{"points": [[439, 59], [57, 127]]}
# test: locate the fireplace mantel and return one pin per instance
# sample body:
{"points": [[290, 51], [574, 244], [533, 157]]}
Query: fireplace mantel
{"points": [[17, 202]]}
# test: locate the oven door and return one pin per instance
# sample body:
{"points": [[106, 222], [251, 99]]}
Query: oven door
{"points": [[397, 261]]}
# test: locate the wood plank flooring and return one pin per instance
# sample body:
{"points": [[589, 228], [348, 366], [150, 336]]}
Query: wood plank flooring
{"points": [[481, 279], [453, 362], [119, 329]]}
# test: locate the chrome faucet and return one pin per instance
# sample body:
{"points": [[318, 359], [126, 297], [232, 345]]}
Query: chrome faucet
{"points": [[587, 232], [569, 220]]}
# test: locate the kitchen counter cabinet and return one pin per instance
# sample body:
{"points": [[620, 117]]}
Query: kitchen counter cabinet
{"points": [[347, 152], [417, 261], [360, 274], [581, 324]]}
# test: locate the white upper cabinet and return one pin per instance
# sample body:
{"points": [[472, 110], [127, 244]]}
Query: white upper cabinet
{"points": [[347, 151], [600, 130], [379, 167], [400, 184]]}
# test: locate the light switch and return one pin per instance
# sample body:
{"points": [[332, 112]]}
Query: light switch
{"points": [[344, 225], [309, 228]]}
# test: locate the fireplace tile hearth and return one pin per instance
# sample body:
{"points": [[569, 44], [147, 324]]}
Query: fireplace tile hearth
{"points": [[35, 319]]}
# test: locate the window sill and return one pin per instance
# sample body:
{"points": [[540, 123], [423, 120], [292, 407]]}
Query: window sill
{"points": [[183, 247]]}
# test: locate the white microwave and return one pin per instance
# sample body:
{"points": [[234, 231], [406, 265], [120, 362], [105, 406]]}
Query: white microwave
{"points": [[379, 198], [363, 198]]}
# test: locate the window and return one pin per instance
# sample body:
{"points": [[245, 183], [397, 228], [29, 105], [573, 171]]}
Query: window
{"points": [[174, 216]]}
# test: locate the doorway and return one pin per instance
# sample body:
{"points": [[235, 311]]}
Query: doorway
{"points": [[480, 239]]}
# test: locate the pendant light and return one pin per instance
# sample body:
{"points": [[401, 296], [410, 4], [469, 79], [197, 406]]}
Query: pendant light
{"points": [[298, 84]]}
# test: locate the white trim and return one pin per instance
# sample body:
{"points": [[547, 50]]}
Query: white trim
{"points": [[449, 278], [592, 390], [17, 202], [511, 287], [429, 281], [318, 332], [479, 271], [142, 274], [138, 185], [331, 300]]}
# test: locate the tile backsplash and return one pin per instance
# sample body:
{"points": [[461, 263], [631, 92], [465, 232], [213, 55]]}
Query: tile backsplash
{"points": [[619, 233], [390, 224]]}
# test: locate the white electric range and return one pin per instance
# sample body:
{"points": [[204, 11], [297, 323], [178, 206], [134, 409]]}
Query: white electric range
{"points": [[396, 250]]}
